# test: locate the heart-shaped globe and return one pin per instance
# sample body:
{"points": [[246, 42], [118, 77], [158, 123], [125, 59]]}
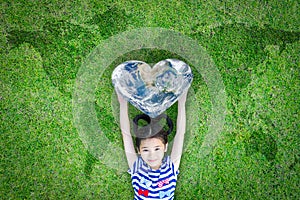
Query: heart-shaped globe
{"points": [[152, 90]]}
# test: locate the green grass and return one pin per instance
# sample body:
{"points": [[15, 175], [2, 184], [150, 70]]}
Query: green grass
{"points": [[255, 46]]}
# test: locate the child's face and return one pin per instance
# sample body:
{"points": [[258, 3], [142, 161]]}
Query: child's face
{"points": [[152, 151]]}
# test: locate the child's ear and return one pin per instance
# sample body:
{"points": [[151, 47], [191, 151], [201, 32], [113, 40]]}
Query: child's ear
{"points": [[166, 147]]}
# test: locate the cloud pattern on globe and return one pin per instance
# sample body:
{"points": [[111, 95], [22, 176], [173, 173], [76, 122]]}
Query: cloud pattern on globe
{"points": [[152, 90]]}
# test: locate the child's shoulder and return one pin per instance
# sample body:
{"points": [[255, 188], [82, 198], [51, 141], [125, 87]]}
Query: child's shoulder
{"points": [[168, 164], [136, 165]]}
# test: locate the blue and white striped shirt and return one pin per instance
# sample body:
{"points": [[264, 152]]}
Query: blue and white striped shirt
{"points": [[153, 184]]}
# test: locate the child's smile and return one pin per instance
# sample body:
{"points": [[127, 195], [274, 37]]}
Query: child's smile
{"points": [[152, 151]]}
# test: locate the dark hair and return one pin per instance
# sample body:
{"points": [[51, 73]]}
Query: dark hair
{"points": [[152, 129]]}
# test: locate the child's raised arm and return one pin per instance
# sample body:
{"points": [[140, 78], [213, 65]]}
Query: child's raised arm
{"points": [[180, 131], [125, 128]]}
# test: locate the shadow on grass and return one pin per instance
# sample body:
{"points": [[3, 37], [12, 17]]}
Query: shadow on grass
{"points": [[236, 49], [263, 143], [64, 45], [90, 161], [111, 22]]}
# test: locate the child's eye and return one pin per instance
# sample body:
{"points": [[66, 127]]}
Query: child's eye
{"points": [[157, 149], [145, 150]]}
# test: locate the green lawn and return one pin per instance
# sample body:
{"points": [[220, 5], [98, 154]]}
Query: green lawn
{"points": [[254, 45]]}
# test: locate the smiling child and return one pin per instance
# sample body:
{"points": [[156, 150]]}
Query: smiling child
{"points": [[153, 174]]}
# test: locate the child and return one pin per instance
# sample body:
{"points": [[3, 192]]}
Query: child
{"points": [[153, 175]]}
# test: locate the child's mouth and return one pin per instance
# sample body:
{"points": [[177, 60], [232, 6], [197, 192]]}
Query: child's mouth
{"points": [[151, 161]]}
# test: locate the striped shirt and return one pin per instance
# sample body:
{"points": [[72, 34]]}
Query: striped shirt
{"points": [[153, 184]]}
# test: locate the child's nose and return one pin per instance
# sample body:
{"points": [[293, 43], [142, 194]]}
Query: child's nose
{"points": [[151, 153]]}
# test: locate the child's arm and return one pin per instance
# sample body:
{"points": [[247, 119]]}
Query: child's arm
{"points": [[180, 131], [125, 128]]}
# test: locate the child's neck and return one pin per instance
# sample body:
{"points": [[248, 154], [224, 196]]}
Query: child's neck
{"points": [[156, 167]]}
